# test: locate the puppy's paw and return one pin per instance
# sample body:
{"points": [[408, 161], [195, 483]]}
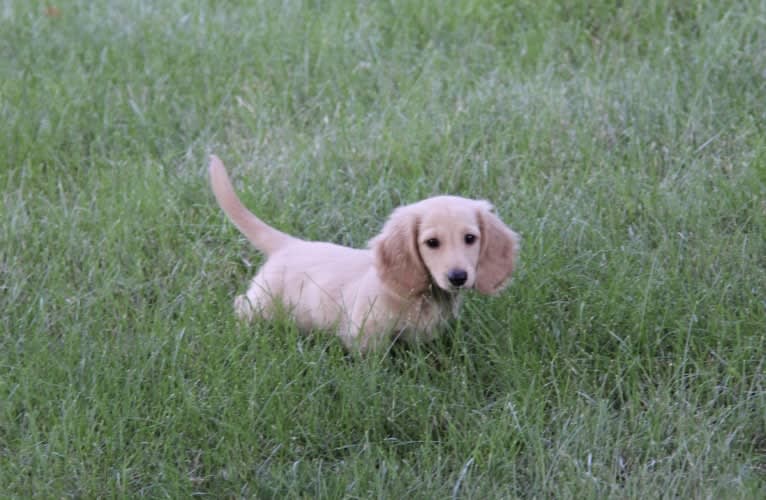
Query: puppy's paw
{"points": [[243, 308]]}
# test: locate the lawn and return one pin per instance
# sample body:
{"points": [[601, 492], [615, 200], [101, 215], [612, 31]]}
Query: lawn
{"points": [[625, 143]]}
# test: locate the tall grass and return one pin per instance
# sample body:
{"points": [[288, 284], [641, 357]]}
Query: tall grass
{"points": [[624, 142]]}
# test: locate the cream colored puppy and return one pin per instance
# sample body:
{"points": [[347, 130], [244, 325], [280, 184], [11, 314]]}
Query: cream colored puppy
{"points": [[404, 285]]}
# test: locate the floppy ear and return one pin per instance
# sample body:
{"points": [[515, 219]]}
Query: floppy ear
{"points": [[499, 249], [397, 259]]}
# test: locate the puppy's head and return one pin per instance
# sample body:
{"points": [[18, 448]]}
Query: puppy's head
{"points": [[454, 242]]}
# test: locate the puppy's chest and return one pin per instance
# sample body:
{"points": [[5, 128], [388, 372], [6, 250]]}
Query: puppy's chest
{"points": [[425, 315]]}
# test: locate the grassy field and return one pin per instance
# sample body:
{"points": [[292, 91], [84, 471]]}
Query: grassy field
{"points": [[627, 144]]}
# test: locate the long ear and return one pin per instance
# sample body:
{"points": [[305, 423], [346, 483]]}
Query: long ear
{"points": [[499, 250], [397, 259]]}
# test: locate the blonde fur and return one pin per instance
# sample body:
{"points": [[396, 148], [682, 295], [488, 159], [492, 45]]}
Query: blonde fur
{"points": [[405, 284]]}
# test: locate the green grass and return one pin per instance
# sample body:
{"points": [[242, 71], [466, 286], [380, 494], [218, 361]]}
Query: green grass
{"points": [[627, 144]]}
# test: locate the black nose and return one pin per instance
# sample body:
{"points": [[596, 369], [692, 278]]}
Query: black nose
{"points": [[457, 277]]}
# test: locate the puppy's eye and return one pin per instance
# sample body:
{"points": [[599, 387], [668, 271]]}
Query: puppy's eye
{"points": [[470, 239], [432, 243]]}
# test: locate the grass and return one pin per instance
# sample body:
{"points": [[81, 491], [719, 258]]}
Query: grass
{"points": [[625, 143]]}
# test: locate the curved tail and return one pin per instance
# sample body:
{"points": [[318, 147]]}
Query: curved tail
{"points": [[264, 237]]}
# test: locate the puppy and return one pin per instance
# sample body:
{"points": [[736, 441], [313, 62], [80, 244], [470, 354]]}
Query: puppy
{"points": [[404, 285]]}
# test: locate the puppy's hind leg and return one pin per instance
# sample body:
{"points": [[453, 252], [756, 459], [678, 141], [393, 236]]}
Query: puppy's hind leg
{"points": [[243, 308], [257, 301]]}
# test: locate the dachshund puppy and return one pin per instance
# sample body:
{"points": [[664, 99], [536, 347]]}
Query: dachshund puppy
{"points": [[404, 285]]}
